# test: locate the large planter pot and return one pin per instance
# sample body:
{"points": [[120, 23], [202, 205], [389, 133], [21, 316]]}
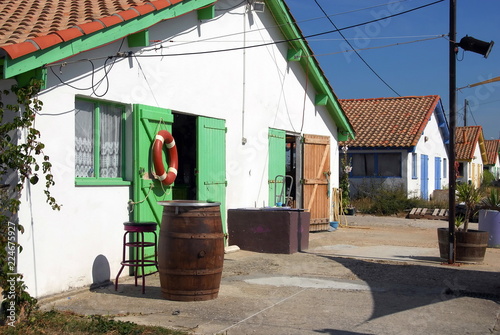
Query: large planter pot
{"points": [[350, 211], [470, 246], [489, 220]]}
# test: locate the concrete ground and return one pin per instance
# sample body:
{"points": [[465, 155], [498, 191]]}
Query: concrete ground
{"points": [[371, 276]]}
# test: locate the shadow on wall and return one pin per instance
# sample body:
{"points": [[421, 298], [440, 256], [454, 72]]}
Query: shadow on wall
{"points": [[100, 272]]}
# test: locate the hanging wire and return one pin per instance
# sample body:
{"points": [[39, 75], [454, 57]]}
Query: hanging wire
{"points": [[356, 52], [147, 81], [280, 41]]}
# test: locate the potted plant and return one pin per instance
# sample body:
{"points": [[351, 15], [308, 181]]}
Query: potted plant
{"points": [[489, 217], [470, 245]]}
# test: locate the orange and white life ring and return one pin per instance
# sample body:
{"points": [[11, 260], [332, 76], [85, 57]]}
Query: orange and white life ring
{"points": [[166, 178]]}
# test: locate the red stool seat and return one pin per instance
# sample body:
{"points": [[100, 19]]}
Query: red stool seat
{"points": [[138, 261]]}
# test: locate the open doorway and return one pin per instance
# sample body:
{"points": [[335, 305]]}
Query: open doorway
{"points": [[184, 133], [293, 170]]}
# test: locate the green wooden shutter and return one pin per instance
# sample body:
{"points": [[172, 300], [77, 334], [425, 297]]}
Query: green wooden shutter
{"points": [[211, 162], [277, 162], [147, 191]]}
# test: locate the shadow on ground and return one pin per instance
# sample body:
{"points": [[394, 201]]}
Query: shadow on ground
{"points": [[418, 285]]}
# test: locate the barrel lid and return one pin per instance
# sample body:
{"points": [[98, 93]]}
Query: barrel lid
{"points": [[188, 203]]}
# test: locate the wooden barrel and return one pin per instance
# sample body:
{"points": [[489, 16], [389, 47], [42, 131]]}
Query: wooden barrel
{"points": [[444, 243], [190, 250], [471, 246]]}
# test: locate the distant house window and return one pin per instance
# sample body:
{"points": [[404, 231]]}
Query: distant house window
{"points": [[376, 165], [98, 140], [445, 167], [414, 165]]}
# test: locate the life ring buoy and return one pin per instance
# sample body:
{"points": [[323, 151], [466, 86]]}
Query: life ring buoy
{"points": [[162, 137]]}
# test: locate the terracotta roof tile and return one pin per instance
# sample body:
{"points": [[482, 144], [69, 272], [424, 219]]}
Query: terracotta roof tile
{"points": [[26, 22], [160, 4], [466, 139], [47, 41], [389, 122], [492, 149]]}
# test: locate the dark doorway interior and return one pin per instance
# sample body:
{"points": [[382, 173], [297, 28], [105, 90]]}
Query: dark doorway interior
{"points": [[184, 133], [291, 169]]}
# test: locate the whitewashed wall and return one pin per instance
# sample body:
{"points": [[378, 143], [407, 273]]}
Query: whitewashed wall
{"points": [[476, 168], [495, 169], [431, 143], [251, 89]]}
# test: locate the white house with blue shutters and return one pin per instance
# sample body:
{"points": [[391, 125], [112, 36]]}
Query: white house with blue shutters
{"points": [[400, 142]]}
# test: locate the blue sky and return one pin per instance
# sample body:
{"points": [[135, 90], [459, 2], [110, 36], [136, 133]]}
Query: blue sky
{"points": [[419, 68]]}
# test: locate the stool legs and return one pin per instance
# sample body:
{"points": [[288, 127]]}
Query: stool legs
{"points": [[138, 261]]}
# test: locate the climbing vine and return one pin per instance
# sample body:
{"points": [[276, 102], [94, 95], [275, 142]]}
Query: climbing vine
{"points": [[345, 169], [22, 161]]}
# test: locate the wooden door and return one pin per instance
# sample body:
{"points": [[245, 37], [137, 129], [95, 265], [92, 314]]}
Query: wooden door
{"points": [[147, 191], [437, 173], [316, 195], [424, 177]]}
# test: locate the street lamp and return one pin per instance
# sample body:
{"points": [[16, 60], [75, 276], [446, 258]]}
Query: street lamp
{"points": [[467, 43]]}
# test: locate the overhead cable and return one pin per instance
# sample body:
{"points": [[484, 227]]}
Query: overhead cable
{"points": [[277, 42], [357, 53]]}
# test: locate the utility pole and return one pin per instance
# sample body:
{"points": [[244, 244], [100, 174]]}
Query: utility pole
{"points": [[465, 112], [453, 113], [483, 48]]}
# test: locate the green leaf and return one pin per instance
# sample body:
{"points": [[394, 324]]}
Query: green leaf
{"points": [[34, 179]]}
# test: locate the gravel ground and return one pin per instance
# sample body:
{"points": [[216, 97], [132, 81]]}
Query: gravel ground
{"points": [[365, 231], [371, 276]]}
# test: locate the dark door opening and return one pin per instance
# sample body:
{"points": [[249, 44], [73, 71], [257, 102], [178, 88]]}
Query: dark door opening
{"points": [[291, 170], [184, 133]]}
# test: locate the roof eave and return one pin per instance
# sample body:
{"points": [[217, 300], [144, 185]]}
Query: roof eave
{"points": [[482, 146], [425, 121], [26, 56]]}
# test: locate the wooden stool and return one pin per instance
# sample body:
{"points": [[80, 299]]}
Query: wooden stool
{"points": [[138, 261]]}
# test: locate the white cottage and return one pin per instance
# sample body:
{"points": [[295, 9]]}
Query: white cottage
{"points": [[400, 142], [493, 162], [470, 154], [233, 81]]}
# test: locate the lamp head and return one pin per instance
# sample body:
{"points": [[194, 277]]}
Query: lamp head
{"points": [[471, 44]]}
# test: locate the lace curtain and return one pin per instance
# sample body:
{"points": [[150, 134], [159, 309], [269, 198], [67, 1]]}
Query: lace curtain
{"points": [[110, 158], [109, 136], [84, 139]]}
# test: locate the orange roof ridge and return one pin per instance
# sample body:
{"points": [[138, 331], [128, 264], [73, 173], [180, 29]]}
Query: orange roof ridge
{"points": [[387, 98]]}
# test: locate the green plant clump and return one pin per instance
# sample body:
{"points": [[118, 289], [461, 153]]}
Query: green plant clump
{"points": [[492, 200], [390, 202], [471, 196], [488, 178], [62, 323]]}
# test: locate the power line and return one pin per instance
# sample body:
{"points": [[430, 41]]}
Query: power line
{"points": [[381, 46], [351, 11], [278, 26], [356, 51], [271, 43]]}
